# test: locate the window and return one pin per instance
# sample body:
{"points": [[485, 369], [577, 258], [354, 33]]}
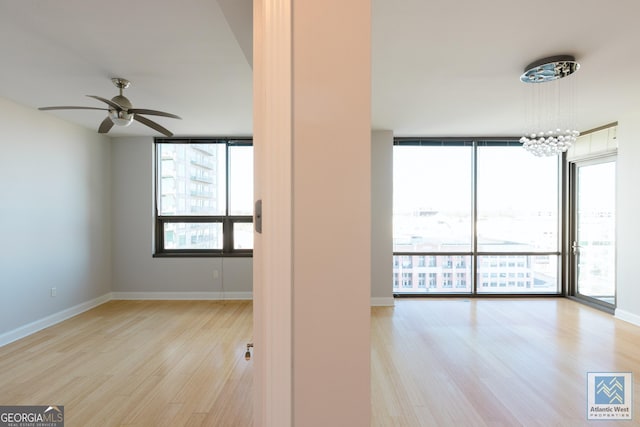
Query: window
{"points": [[407, 262], [433, 280], [407, 280], [204, 197], [517, 201], [487, 210], [426, 218], [422, 280]]}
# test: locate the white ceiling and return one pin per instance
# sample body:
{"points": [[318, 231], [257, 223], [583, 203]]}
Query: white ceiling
{"points": [[440, 67]]}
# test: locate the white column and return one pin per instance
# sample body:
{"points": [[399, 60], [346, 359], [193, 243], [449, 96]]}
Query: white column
{"points": [[627, 225], [312, 262]]}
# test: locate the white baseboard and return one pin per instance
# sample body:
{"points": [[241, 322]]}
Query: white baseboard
{"points": [[38, 325], [627, 317], [382, 302], [182, 296], [30, 328]]}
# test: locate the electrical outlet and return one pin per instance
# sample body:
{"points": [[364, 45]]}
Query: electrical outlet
{"points": [[54, 292], [216, 274]]}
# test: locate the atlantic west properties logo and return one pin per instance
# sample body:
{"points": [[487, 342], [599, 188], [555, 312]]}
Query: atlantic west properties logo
{"points": [[609, 396], [32, 416]]}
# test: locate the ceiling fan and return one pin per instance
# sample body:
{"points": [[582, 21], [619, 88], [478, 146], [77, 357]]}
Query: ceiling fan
{"points": [[121, 112]]}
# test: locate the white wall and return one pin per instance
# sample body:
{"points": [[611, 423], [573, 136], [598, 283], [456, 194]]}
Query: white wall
{"points": [[628, 226], [135, 272], [381, 217], [55, 216]]}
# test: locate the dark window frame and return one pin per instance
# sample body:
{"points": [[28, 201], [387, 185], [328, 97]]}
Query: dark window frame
{"points": [[476, 283], [228, 221]]}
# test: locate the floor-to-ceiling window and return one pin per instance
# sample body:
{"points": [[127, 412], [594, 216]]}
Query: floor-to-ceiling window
{"points": [[475, 217]]}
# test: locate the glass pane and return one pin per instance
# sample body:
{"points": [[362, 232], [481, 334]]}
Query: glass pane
{"points": [[240, 180], [193, 235], [517, 201], [243, 235], [432, 199], [432, 274], [518, 274], [596, 231], [192, 179]]}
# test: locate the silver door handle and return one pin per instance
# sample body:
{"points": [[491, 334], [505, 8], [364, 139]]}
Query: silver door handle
{"points": [[575, 248]]}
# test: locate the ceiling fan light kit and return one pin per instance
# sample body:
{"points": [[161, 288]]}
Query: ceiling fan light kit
{"points": [[121, 111], [120, 118]]}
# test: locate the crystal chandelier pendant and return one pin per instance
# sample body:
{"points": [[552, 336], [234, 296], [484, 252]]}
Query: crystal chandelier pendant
{"points": [[551, 133], [550, 143]]}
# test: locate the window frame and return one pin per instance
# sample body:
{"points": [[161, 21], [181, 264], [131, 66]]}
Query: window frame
{"points": [[477, 284], [227, 220]]}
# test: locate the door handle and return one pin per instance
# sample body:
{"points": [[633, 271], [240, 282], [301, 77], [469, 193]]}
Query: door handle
{"points": [[575, 248]]}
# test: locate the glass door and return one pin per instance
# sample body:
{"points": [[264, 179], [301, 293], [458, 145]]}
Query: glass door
{"points": [[593, 242]]}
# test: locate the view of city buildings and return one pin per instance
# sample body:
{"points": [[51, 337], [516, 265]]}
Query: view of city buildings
{"points": [[509, 266], [456, 229], [192, 183], [596, 230], [488, 228], [206, 190], [597, 257], [496, 273]]}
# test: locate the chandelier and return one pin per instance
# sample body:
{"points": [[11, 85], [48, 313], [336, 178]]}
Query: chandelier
{"points": [[550, 123]]}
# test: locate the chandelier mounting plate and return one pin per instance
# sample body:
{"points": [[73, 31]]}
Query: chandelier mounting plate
{"points": [[549, 69]]}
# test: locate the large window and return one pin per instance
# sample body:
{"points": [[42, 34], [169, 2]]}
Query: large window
{"points": [[475, 217], [204, 197], [431, 199]]}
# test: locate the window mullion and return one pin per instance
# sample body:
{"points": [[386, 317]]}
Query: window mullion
{"points": [[474, 219]]}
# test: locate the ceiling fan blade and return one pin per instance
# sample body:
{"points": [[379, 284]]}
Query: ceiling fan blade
{"points": [[105, 126], [152, 112], [109, 102], [152, 125], [70, 107]]}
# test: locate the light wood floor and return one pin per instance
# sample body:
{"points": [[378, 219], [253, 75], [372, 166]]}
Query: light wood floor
{"points": [[436, 362], [486, 362], [138, 363]]}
